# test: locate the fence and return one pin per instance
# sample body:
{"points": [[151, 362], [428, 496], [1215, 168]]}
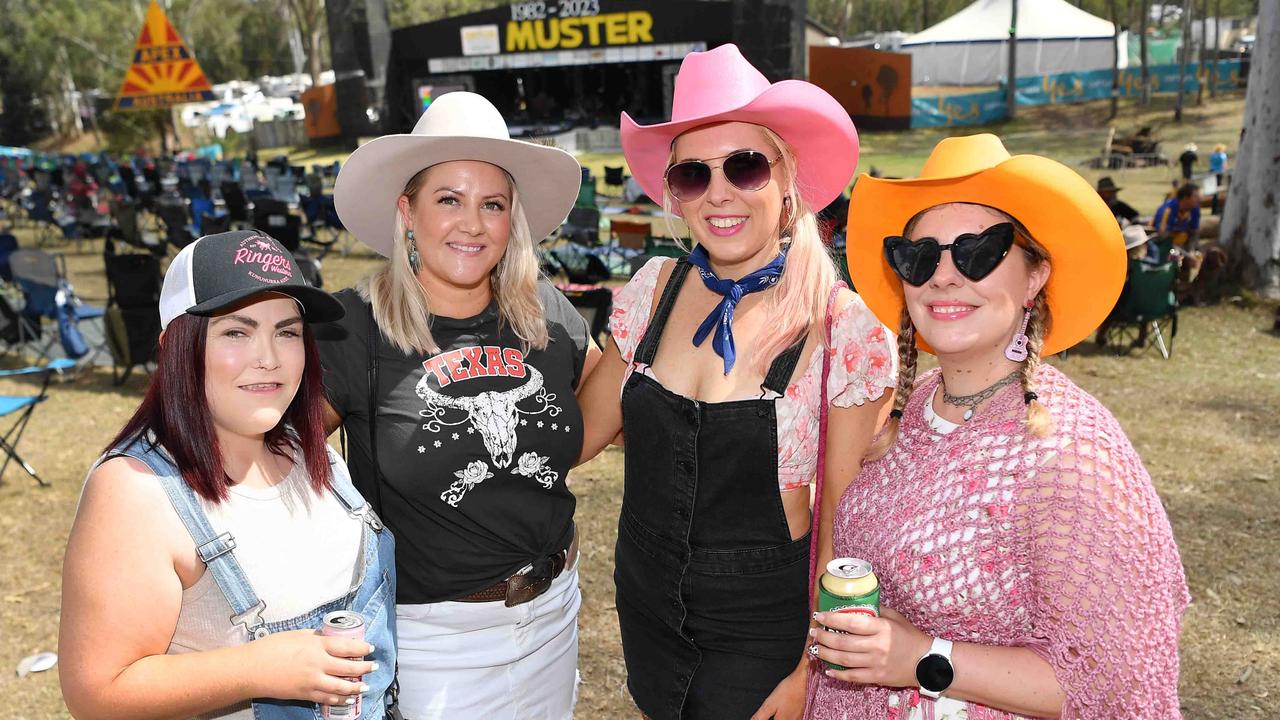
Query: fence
{"points": [[988, 107]]}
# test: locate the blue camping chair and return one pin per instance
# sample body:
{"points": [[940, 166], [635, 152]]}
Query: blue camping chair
{"points": [[48, 294], [23, 406]]}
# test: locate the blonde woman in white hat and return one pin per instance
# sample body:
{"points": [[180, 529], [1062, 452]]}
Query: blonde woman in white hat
{"points": [[467, 365]]}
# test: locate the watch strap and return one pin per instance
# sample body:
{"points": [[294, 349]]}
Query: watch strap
{"points": [[939, 648]]}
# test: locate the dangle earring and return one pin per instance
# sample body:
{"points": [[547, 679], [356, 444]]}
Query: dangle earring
{"points": [[1017, 350], [414, 261]]}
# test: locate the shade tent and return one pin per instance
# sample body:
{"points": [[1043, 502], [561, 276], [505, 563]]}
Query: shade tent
{"points": [[971, 47]]}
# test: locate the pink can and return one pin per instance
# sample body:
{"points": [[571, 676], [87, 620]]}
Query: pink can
{"points": [[345, 624]]}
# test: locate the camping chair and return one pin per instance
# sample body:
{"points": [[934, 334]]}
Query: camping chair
{"points": [[594, 303], [1147, 307], [132, 322], [23, 406], [48, 294], [582, 226], [580, 265], [237, 204], [614, 177], [178, 230], [325, 225], [627, 240], [272, 216], [128, 230]]}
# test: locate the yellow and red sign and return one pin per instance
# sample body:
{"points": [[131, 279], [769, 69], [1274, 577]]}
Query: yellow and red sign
{"points": [[164, 72]]}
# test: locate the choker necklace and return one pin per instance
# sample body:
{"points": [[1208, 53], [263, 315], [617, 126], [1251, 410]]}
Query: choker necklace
{"points": [[971, 402]]}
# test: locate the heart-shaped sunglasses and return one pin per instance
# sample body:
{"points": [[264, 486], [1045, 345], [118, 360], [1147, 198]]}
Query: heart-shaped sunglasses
{"points": [[974, 254]]}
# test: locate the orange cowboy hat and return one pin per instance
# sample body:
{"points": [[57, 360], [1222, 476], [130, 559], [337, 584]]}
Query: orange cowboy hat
{"points": [[1060, 209]]}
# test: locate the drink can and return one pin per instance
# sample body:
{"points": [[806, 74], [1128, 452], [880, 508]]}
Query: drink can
{"points": [[345, 624], [849, 586]]}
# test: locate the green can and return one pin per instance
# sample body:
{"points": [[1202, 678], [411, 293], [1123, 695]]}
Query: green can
{"points": [[849, 586]]}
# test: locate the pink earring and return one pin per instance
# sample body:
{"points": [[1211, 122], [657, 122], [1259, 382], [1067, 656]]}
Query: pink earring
{"points": [[1017, 350]]}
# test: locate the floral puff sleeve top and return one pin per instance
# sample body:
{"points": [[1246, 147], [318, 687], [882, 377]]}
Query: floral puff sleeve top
{"points": [[863, 365]]}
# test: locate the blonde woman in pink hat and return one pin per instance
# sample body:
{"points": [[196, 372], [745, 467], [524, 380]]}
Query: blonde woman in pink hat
{"points": [[722, 371]]}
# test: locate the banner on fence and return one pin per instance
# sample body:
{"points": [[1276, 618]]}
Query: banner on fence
{"points": [[987, 107]]}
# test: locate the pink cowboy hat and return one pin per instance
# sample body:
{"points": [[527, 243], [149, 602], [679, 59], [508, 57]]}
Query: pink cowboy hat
{"points": [[721, 86]]}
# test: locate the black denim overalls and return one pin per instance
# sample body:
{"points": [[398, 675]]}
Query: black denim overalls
{"points": [[711, 589]]}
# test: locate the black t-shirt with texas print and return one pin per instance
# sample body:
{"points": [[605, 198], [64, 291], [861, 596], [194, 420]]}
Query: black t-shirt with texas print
{"points": [[474, 442]]}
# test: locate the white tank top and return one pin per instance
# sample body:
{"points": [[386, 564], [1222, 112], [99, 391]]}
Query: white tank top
{"points": [[298, 550]]}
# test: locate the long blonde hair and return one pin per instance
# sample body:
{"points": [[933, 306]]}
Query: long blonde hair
{"points": [[402, 310], [799, 300], [1039, 422]]}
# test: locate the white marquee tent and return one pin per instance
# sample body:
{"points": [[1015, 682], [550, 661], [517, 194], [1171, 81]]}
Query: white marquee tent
{"points": [[971, 47]]}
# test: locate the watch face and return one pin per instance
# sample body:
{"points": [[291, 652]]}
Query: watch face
{"points": [[934, 673]]}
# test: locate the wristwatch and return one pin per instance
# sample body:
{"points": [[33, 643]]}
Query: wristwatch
{"points": [[934, 672]]}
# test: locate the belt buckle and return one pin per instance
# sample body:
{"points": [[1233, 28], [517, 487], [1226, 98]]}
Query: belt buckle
{"points": [[523, 588]]}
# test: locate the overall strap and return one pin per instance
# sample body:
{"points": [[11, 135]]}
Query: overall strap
{"points": [[346, 492], [649, 345], [214, 550], [782, 367]]}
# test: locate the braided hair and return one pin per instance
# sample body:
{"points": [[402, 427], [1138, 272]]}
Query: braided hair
{"points": [[908, 354]]}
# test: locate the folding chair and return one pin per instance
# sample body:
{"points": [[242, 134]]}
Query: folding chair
{"points": [[48, 294], [582, 226], [237, 204], [23, 406], [627, 240], [1146, 308], [580, 265], [614, 177], [594, 303], [132, 321], [178, 230], [273, 217], [128, 229]]}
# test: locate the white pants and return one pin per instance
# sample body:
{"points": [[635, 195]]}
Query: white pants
{"points": [[486, 661]]}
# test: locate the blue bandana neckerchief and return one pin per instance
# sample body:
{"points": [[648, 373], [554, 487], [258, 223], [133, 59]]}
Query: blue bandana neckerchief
{"points": [[721, 318]]}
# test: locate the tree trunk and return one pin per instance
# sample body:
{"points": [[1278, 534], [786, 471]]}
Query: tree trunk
{"points": [[1204, 34], [1184, 55], [1146, 60], [1251, 223], [1217, 39], [1115, 60]]}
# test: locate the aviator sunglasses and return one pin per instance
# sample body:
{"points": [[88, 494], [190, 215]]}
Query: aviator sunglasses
{"points": [[975, 255], [746, 170]]}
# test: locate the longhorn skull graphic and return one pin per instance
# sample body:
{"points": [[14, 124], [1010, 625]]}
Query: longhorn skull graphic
{"points": [[493, 414]]}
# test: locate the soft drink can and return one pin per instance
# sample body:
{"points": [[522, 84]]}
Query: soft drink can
{"points": [[346, 624], [849, 586]]}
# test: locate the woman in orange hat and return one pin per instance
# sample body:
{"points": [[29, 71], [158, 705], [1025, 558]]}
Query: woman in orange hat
{"points": [[716, 373], [1026, 565]]}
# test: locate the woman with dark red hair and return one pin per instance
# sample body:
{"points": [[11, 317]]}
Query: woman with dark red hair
{"points": [[218, 532]]}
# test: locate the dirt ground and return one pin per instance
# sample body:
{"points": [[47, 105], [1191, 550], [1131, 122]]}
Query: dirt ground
{"points": [[1204, 423]]}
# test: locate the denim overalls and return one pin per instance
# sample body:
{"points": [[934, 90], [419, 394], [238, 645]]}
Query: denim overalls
{"points": [[373, 597], [712, 592]]}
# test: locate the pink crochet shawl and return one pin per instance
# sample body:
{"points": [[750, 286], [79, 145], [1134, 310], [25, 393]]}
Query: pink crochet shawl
{"points": [[988, 535]]}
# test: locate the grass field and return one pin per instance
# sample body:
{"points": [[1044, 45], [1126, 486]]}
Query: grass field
{"points": [[1204, 423]]}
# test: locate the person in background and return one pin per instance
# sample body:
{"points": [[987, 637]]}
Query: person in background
{"points": [[1124, 212], [1218, 163], [1178, 218], [1187, 160]]}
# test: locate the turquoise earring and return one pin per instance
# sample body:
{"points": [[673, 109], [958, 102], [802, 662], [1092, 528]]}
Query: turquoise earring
{"points": [[414, 261]]}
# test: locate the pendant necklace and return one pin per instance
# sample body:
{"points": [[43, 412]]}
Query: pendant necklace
{"points": [[971, 402]]}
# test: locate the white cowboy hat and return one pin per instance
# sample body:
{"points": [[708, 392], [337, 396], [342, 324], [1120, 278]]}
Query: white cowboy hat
{"points": [[456, 126], [1134, 236]]}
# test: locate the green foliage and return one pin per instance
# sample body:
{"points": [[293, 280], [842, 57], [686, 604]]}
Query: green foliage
{"points": [[414, 12], [125, 132]]}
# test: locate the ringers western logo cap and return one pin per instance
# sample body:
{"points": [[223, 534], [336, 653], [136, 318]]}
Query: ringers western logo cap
{"points": [[220, 270]]}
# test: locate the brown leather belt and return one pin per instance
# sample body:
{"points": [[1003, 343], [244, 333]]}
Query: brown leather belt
{"points": [[526, 585]]}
